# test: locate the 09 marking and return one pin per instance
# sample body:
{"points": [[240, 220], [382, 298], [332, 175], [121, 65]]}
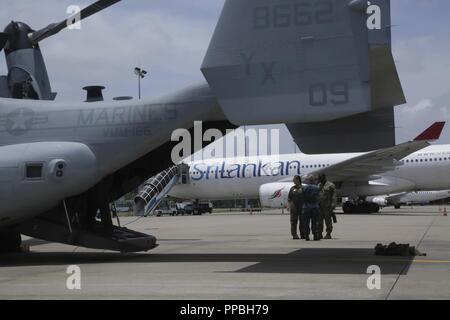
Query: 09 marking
{"points": [[337, 93]]}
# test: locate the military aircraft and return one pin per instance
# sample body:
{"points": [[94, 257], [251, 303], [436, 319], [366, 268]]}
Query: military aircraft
{"points": [[296, 62]]}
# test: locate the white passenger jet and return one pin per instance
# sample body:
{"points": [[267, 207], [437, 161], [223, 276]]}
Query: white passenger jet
{"points": [[410, 198], [411, 166]]}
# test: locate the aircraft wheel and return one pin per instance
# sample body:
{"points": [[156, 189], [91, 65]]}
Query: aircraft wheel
{"points": [[375, 208], [10, 242], [397, 206], [369, 207], [348, 208]]}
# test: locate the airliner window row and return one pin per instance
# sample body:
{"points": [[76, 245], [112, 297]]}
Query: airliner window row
{"points": [[438, 154], [314, 166], [425, 160]]}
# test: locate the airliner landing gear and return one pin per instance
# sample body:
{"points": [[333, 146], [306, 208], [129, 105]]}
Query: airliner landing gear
{"points": [[10, 242], [363, 207], [397, 206]]}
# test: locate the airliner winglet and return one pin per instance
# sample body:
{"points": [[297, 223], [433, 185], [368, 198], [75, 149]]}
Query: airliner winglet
{"points": [[432, 133]]}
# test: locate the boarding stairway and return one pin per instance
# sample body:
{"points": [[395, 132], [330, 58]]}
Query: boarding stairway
{"points": [[156, 189]]}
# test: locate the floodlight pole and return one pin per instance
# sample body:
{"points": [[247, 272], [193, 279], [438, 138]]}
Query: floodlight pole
{"points": [[139, 86], [141, 75]]}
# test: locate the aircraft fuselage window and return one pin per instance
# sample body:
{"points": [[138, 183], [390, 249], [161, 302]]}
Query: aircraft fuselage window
{"points": [[34, 171]]}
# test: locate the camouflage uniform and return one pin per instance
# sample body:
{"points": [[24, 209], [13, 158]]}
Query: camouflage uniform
{"points": [[311, 210], [327, 203], [296, 203]]}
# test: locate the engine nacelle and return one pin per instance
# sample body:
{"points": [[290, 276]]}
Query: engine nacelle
{"points": [[49, 171], [274, 195], [381, 201]]}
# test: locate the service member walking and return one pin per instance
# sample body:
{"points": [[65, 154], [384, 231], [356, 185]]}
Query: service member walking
{"points": [[295, 200], [327, 203]]}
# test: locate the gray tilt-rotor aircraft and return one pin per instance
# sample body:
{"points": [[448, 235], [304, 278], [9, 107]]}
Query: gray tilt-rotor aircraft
{"points": [[312, 64]]}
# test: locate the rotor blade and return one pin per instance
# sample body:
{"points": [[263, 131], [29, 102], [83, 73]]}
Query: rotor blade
{"points": [[4, 37], [54, 28]]}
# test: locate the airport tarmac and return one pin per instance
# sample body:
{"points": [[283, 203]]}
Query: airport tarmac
{"points": [[243, 256]]}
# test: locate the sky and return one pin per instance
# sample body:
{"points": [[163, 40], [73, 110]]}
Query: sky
{"points": [[169, 38]]}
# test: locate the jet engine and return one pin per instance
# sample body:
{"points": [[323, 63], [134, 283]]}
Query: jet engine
{"points": [[274, 195]]}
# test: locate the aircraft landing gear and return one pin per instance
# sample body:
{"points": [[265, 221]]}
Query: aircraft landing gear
{"points": [[360, 207], [10, 242]]}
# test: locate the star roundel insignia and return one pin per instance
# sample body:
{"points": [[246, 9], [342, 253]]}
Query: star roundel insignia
{"points": [[19, 121]]}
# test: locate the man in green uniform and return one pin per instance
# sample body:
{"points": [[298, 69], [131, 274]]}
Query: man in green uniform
{"points": [[327, 204], [295, 200]]}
